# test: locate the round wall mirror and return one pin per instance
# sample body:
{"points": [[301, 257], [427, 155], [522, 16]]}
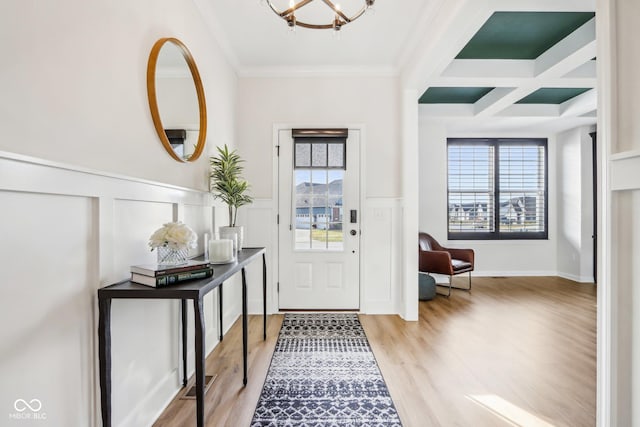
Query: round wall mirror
{"points": [[176, 99]]}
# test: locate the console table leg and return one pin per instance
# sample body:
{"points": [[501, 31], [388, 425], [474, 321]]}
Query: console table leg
{"points": [[184, 341], [264, 296], [244, 326], [220, 309], [199, 350], [104, 354]]}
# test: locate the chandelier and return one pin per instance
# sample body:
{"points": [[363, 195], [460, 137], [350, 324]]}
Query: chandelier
{"points": [[339, 17]]}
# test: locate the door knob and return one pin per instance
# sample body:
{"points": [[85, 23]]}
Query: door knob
{"points": [[353, 232]]}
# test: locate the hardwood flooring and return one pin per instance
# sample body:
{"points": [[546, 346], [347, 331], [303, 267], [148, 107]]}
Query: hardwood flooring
{"points": [[513, 351]]}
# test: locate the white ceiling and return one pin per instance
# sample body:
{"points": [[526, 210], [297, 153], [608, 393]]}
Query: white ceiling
{"points": [[259, 42], [418, 40]]}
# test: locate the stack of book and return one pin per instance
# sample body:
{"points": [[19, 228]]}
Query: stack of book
{"points": [[158, 275]]}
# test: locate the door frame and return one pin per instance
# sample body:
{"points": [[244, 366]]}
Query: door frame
{"points": [[277, 127]]}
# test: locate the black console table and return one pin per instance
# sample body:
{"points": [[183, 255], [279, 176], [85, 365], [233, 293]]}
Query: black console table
{"points": [[193, 290]]}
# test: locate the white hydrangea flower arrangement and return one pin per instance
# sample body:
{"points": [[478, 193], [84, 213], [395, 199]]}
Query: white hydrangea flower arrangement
{"points": [[173, 235]]}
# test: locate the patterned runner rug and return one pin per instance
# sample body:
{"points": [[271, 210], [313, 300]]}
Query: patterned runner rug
{"points": [[323, 373]]}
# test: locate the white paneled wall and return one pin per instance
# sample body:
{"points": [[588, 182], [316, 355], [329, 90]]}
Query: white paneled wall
{"points": [[260, 230], [69, 231], [381, 262], [49, 271], [625, 290]]}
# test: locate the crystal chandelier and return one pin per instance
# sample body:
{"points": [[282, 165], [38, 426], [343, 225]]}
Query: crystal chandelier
{"points": [[338, 16]]}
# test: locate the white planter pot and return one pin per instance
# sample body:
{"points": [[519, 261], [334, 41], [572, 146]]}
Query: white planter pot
{"points": [[227, 232]]}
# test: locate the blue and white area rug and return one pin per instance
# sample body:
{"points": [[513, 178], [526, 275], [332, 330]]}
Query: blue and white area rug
{"points": [[323, 373]]}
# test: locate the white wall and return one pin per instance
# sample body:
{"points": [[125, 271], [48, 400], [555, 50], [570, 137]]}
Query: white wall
{"points": [[73, 84], [74, 101], [322, 102], [368, 103], [575, 204], [492, 258]]}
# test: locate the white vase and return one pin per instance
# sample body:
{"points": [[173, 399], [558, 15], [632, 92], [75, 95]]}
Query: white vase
{"points": [[227, 232]]}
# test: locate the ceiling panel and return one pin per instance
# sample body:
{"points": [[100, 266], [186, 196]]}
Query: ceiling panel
{"points": [[453, 95], [522, 35], [552, 95]]}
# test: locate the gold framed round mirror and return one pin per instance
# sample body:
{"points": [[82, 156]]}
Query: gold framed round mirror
{"points": [[176, 99]]}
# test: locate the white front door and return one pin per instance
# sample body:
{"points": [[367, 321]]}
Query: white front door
{"points": [[319, 216]]}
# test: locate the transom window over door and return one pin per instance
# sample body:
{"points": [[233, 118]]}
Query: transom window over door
{"points": [[319, 165], [497, 189]]}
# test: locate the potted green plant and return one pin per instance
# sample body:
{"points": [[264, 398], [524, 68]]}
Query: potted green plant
{"points": [[226, 184]]}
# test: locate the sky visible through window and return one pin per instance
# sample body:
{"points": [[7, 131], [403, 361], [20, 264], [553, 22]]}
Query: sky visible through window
{"points": [[317, 176]]}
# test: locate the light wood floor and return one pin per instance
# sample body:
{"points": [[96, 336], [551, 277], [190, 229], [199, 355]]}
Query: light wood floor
{"points": [[514, 351]]}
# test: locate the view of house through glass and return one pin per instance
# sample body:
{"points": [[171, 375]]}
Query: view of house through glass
{"points": [[318, 176], [497, 189]]}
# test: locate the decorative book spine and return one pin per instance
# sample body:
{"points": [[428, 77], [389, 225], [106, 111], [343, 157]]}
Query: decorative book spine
{"points": [[164, 271], [170, 279]]}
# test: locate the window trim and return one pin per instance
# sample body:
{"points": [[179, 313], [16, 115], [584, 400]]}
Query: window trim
{"points": [[497, 234]]}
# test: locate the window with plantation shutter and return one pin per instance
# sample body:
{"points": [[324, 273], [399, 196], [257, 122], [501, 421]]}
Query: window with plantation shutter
{"points": [[497, 188]]}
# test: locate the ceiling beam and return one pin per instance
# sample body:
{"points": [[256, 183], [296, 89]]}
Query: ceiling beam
{"points": [[586, 70], [496, 100], [580, 104], [569, 53], [493, 68], [507, 99], [509, 73], [531, 110]]}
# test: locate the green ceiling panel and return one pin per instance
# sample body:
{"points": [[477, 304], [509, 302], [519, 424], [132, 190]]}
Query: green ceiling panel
{"points": [[552, 95], [522, 35], [453, 95]]}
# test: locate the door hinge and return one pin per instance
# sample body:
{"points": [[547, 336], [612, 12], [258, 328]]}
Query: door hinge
{"points": [[278, 150], [278, 219], [278, 287]]}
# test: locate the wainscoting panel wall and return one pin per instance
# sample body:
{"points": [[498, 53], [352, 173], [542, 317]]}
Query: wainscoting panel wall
{"points": [[625, 279], [66, 232], [49, 272], [381, 250], [260, 230], [136, 376]]}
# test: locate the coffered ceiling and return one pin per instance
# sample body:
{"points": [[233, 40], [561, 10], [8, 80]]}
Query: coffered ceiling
{"points": [[520, 70], [481, 65]]}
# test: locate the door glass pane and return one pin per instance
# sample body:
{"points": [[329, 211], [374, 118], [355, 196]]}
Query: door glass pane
{"points": [[318, 207], [302, 194]]}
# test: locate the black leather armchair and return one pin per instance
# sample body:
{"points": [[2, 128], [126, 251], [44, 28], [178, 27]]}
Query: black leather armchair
{"points": [[434, 258]]}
